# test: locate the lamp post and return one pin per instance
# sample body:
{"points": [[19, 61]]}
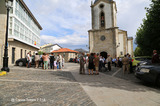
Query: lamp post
{"points": [[5, 58]]}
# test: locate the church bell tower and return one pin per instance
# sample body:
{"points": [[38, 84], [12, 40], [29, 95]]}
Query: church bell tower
{"points": [[103, 35], [104, 14]]}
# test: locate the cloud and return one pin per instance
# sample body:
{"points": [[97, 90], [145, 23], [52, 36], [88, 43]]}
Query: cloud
{"points": [[68, 39], [130, 14], [67, 22]]}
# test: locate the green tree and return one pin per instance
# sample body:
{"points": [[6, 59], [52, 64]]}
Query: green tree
{"points": [[138, 52], [40, 52], [148, 34]]}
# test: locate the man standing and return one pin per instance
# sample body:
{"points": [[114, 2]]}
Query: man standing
{"points": [[130, 63], [155, 57], [125, 62], [37, 58], [82, 62], [96, 62]]}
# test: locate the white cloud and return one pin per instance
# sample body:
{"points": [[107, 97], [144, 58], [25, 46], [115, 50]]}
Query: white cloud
{"points": [[68, 39], [130, 14], [59, 16]]}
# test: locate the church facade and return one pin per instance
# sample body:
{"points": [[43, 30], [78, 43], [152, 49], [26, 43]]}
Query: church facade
{"points": [[105, 37]]}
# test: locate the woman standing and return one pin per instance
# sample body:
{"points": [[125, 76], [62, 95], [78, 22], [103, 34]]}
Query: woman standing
{"points": [[109, 61], [91, 63], [45, 60]]}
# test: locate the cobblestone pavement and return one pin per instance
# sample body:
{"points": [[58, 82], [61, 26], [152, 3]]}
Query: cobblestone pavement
{"points": [[36, 87]]}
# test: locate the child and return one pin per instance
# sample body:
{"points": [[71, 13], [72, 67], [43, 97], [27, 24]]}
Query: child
{"points": [[55, 64]]}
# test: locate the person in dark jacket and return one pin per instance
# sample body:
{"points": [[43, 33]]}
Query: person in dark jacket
{"points": [[52, 61], [91, 63], [155, 57]]}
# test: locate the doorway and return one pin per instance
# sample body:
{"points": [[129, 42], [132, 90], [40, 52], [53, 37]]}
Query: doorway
{"points": [[13, 55], [103, 54]]}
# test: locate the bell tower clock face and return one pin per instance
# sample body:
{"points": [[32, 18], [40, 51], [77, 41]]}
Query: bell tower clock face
{"points": [[103, 38]]}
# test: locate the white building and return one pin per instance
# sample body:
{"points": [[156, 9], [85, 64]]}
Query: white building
{"points": [[24, 31], [48, 48]]}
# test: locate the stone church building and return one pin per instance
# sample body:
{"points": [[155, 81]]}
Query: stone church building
{"points": [[105, 37]]}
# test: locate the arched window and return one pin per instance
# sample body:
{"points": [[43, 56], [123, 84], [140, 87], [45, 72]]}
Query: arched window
{"points": [[102, 20]]}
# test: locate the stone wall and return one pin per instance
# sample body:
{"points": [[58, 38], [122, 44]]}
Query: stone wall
{"points": [[130, 47], [3, 9], [123, 47], [108, 45], [114, 9], [3, 19]]}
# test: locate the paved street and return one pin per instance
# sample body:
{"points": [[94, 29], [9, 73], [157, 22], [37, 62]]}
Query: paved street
{"points": [[34, 87]]}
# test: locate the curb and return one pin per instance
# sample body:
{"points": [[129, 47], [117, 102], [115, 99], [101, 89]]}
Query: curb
{"points": [[3, 73]]}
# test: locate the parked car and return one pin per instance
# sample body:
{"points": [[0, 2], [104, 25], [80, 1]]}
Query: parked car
{"points": [[22, 61], [71, 60], [136, 60], [148, 72]]}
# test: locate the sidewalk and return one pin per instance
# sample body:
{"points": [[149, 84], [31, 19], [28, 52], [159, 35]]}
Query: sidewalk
{"points": [[106, 90]]}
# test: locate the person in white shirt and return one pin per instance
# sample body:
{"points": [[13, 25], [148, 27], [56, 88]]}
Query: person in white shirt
{"points": [[28, 60], [63, 61], [60, 61], [100, 62]]}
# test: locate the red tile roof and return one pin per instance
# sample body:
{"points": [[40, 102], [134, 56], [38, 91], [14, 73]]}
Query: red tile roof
{"points": [[64, 50]]}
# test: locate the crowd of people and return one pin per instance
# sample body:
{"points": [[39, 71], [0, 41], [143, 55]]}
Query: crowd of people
{"points": [[45, 61], [93, 61], [96, 62]]}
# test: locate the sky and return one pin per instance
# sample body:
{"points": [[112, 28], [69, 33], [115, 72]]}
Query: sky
{"points": [[66, 22]]}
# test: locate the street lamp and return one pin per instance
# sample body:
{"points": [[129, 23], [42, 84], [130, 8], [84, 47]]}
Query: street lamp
{"points": [[5, 58]]}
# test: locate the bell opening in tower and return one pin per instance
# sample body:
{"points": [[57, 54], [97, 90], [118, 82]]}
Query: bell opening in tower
{"points": [[102, 20]]}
